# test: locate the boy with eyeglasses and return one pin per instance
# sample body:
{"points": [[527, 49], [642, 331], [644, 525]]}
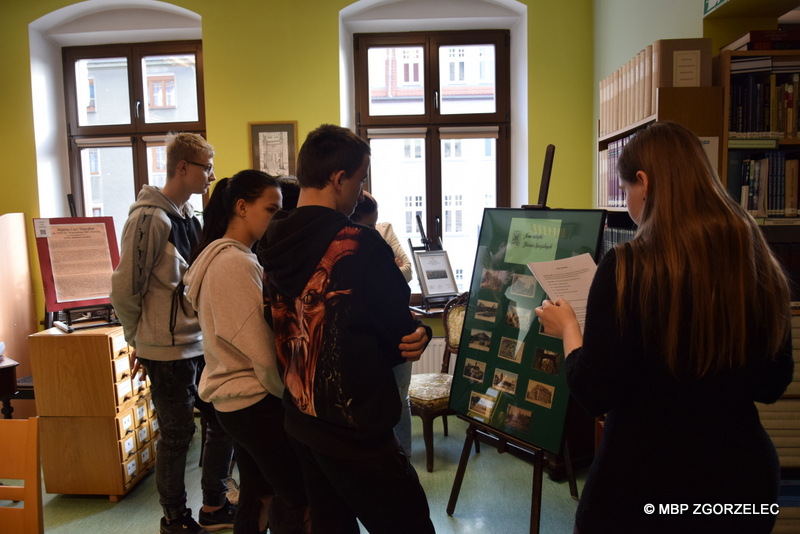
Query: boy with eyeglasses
{"points": [[148, 295]]}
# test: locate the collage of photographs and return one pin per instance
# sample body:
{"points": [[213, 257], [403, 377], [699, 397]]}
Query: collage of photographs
{"points": [[509, 382]]}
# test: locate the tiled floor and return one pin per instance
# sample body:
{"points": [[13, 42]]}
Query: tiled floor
{"points": [[495, 497]]}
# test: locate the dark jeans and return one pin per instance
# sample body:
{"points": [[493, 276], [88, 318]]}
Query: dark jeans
{"points": [[173, 385], [384, 493], [265, 459]]}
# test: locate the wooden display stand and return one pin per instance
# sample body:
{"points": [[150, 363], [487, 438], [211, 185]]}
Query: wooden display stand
{"points": [[98, 426], [478, 432]]}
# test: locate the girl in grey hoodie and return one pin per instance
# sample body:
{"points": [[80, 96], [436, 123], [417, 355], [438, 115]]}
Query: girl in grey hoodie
{"points": [[241, 378]]}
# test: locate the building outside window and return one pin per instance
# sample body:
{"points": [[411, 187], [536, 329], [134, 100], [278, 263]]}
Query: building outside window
{"points": [[439, 139], [122, 101]]}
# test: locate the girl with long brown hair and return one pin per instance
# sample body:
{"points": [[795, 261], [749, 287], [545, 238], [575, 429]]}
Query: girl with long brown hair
{"points": [[687, 326]]}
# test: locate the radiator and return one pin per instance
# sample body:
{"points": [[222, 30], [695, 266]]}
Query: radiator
{"points": [[431, 359]]}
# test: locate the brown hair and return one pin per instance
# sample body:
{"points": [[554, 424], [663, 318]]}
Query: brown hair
{"points": [[695, 245], [328, 150]]}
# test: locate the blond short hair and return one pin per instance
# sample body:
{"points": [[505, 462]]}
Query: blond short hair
{"points": [[185, 146]]}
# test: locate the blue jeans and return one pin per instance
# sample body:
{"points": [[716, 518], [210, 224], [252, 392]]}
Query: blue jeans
{"points": [[402, 375], [173, 385]]}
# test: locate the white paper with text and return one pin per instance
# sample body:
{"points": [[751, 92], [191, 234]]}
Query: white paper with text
{"points": [[568, 279]]}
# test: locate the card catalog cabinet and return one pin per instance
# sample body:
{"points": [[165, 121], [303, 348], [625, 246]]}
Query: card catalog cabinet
{"points": [[97, 424]]}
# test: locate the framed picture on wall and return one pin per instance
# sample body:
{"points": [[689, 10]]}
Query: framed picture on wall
{"points": [[273, 147]]}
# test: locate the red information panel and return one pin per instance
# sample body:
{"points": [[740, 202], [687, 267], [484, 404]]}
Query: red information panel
{"points": [[76, 256]]}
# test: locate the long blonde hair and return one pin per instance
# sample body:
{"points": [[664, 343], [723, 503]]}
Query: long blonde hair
{"points": [[694, 241]]}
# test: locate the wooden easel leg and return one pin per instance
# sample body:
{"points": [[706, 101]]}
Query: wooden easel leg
{"points": [[462, 468], [573, 483], [536, 495]]}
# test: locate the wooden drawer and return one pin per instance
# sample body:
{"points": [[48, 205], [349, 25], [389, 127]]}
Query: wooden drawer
{"points": [[142, 436], [123, 391], [140, 414], [130, 469], [140, 387], [146, 457], [151, 407], [154, 428], [128, 447], [126, 423], [122, 368]]}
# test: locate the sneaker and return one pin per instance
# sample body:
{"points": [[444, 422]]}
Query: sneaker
{"points": [[184, 525], [222, 518], [233, 491]]}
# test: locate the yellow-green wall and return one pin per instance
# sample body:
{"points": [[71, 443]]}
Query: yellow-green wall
{"points": [[279, 60]]}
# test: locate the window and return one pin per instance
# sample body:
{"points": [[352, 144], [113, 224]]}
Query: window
{"points": [[122, 101], [412, 149], [413, 205], [434, 107], [157, 156], [455, 65], [90, 106], [161, 90], [452, 148]]}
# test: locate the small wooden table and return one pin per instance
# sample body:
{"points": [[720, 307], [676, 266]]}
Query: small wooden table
{"points": [[13, 387], [8, 384]]}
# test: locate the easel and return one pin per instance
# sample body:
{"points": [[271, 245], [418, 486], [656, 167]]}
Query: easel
{"points": [[479, 432], [429, 301], [80, 311]]}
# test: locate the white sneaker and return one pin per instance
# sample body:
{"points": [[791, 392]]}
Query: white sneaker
{"points": [[233, 491]]}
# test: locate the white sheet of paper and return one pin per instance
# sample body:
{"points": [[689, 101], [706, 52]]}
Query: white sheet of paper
{"points": [[568, 279]]}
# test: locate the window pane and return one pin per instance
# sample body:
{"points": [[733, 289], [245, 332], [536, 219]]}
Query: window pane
{"points": [[468, 186], [466, 79], [396, 81], [170, 88], [398, 184], [107, 178], [102, 91], [157, 173]]}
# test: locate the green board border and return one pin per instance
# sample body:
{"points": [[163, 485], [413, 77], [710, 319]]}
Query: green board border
{"points": [[508, 375]]}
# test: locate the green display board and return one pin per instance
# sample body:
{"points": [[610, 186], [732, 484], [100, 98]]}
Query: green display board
{"points": [[509, 375]]}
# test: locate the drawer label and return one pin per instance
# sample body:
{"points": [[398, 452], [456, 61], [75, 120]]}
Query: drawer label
{"points": [[130, 446]]}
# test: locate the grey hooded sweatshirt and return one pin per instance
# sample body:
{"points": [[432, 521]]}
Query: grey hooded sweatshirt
{"points": [[224, 286], [146, 288]]}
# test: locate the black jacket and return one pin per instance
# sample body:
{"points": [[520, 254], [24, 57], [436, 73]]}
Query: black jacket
{"points": [[339, 306]]}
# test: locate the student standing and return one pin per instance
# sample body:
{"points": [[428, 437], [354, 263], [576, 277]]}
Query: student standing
{"points": [[339, 304], [366, 213], [686, 327], [148, 297], [241, 379]]}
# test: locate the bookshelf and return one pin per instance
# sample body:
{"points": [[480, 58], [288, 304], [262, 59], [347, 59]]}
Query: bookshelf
{"points": [[697, 108], [760, 128]]}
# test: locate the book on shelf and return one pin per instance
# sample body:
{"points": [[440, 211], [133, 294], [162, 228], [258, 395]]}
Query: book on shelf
{"points": [[629, 94], [791, 175], [752, 143], [682, 62], [743, 65], [648, 81], [765, 183], [765, 40]]}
